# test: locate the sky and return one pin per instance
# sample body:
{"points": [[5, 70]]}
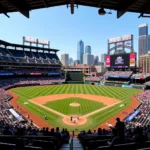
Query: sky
{"points": [[64, 30]]}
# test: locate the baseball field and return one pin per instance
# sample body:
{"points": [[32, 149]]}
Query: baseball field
{"points": [[93, 105]]}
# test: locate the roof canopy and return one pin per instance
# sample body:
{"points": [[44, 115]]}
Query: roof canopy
{"points": [[121, 6], [6, 44]]}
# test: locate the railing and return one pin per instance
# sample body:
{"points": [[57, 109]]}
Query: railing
{"points": [[71, 141]]}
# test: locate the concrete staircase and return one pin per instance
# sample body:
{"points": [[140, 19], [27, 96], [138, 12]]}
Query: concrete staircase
{"points": [[76, 145]]}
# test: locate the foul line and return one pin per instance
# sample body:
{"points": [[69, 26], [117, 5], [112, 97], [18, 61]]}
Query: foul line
{"points": [[62, 115], [99, 110], [49, 109]]}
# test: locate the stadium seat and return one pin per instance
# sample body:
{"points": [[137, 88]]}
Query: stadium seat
{"points": [[44, 144], [7, 146]]}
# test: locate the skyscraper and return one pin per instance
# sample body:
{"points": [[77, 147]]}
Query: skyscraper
{"points": [[149, 43], [65, 59], [88, 49], [88, 59], [143, 39], [96, 60], [80, 51], [70, 61], [103, 58]]}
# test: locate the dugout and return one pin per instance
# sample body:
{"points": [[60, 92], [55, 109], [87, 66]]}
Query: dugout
{"points": [[74, 77]]}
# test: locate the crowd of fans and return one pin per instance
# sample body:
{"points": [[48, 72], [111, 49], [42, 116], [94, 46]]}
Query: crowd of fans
{"points": [[136, 131], [118, 73], [140, 75], [143, 118], [11, 82], [119, 134], [5, 115], [93, 78], [27, 71], [10, 125], [147, 83]]}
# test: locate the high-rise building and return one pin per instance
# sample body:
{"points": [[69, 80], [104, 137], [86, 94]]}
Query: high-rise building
{"points": [[149, 43], [70, 61], [75, 62], [103, 58], [88, 59], [80, 51], [143, 39], [88, 49], [65, 59], [96, 60]]}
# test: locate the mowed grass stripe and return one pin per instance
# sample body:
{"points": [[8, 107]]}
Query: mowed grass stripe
{"points": [[116, 92], [86, 106]]}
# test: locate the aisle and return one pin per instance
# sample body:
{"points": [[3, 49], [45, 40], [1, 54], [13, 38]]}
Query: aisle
{"points": [[76, 145]]}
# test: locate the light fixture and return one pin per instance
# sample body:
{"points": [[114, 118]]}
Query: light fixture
{"points": [[101, 11], [110, 12]]}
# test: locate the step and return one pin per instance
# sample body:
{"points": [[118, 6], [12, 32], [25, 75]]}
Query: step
{"points": [[76, 145]]}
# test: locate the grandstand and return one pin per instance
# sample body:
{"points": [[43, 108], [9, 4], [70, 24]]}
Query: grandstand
{"points": [[22, 67], [41, 65], [27, 55]]}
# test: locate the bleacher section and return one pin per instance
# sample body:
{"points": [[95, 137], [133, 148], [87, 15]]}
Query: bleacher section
{"points": [[140, 76], [14, 53], [18, 56], [118, 74]]}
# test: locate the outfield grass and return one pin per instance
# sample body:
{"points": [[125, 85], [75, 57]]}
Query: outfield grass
{"points": [[123, 94], [86, 106]]}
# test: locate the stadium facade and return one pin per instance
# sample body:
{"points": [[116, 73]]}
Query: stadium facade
{"points": [[16, 59]]}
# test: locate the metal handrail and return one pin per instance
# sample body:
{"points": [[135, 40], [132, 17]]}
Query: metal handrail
{"points": [[71, 141]]}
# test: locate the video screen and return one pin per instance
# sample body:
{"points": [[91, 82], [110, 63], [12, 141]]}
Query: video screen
{"points": [[121, 60]]}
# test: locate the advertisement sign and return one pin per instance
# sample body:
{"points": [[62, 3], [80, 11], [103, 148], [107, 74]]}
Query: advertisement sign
{"points": [[133, 115], [53, 73], [30, 39], [35, 73], [16, 115], [120, 39], [44, 42], [132, 60], [6, 74], [121, 60], [108, 61], [127, 86], [34, 40]]}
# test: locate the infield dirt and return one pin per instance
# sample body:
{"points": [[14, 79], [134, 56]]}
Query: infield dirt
{"points": [[106, 100]]}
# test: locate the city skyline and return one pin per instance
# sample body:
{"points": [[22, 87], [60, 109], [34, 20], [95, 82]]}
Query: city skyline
{"points": [[143, 32], [65, 30]]}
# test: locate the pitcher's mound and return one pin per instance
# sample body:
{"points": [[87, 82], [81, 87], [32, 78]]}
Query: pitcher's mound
{"points": [[75, 121], [74, 104]]}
